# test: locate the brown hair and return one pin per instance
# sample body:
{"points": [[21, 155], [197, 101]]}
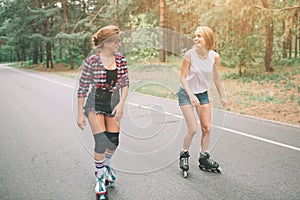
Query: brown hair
{"points": [[209, 36], [105, 34]]}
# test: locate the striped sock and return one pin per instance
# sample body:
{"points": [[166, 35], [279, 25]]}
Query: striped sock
{"points": [[107, 158], [99, 164]]}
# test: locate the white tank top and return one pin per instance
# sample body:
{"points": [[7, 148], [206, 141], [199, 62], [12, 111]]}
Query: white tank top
{"points": [[198, 77]]}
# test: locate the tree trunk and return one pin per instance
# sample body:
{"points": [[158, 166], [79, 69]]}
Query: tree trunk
{"points": [[269, 26], [116, 18], [23, 50], [284, 43], [64, 5], [71, 57], [269, 44], [49, 55], [290, 38], [296, 34], [41, 53], [35, 53], [162, 53], [11, 56], [86, 47], [86, 43]]}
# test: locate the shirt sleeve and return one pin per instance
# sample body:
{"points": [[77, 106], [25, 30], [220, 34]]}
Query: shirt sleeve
{"points": [[85, 79], [124, 79]]}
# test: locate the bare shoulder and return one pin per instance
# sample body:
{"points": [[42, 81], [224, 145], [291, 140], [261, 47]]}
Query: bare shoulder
{"points": [[187, 55], [217, 57]]}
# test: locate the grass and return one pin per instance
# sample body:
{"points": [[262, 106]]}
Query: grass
{"points": [[273, 96], [156, 90]]}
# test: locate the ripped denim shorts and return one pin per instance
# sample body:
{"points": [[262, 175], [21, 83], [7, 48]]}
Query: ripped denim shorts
{"points": [[183, 98]]}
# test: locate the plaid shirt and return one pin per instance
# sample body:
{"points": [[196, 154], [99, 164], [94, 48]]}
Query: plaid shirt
{"points": [[94, 74]]}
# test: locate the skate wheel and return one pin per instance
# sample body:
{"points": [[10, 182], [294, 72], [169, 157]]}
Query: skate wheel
{"points": [[214, 170], [185, 174], [202, 168], [111, 184], [102, 196]]}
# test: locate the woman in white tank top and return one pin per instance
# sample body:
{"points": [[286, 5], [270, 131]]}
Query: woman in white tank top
{"points": [[198, 64]]}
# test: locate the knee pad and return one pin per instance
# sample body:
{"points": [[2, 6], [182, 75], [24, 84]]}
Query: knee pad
{"points": [[113, 140], [101, 142]]}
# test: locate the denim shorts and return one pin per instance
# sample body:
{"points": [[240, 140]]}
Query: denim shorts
{"points": [[184, 99], [102, 102]]}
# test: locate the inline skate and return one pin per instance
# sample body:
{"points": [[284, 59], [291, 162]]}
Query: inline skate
{"points": [[184, 162], [110, 176], [100, 187], [208, 164]]}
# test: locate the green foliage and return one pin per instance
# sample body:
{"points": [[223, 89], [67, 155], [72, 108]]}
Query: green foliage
{"points": [[143, 41], [289, 62], [240, 27], [230, 76]]}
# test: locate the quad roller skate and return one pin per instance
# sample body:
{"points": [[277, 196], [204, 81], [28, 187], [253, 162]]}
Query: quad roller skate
{"points": [[207, 164], [110, 176], [100, 187], [184, 162]]}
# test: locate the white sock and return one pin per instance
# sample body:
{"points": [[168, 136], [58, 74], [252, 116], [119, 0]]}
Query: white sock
{"points": [[202, 153], [99, 164], [108, 156]]}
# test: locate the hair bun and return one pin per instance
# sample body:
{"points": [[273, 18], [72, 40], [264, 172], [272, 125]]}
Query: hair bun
{"points": [[103, 34]]}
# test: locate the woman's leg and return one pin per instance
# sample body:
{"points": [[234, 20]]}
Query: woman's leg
{"points": [[97, 124], [189, 116], [112, 133], [204, 114], [205, 162]]}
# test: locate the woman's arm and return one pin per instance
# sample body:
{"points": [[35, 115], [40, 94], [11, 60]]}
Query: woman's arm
{"points": [[81, 121], [84, 84], [217, 80], [124, 84], [185, 67], [118, 110]]}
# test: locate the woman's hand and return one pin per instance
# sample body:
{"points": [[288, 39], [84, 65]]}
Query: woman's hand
{"points": [[118, 112], [223, 102], [194, 100], [81, 121]]}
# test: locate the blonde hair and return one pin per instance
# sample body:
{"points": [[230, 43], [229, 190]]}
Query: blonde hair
{"points": [[209, 36], [105, 34]]}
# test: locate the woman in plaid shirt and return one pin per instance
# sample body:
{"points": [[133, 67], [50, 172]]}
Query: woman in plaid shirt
{"points": [[106, 72]]}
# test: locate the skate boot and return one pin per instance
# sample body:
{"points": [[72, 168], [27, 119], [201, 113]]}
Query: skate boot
{"points": [[100, 188], [184, 162], [110, 176], [208, 164]]}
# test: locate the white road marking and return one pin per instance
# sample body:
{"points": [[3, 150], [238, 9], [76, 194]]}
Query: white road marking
{"points": [[171, 114], [40, 77], [225, 129]]}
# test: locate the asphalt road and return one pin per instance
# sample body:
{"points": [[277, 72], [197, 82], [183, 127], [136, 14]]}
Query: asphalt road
{"points": [[45, 156]]}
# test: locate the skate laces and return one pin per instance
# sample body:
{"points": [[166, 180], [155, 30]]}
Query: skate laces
{"points": [[101, 178], [110, 173], [209, 160], [100, 184], [185, 158], [206, 159]]}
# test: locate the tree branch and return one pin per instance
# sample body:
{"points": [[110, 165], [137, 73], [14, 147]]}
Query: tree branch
{"points": [[94, 18], [273, 10]]}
